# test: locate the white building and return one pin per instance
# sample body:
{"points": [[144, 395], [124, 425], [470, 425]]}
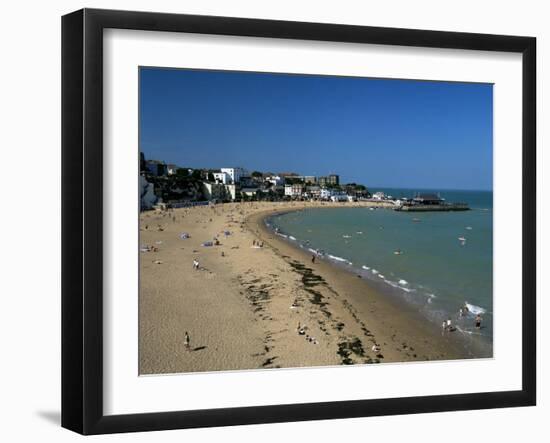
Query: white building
{"points": [[378, 196], [219, 191], [172, 169], [214, 191], [313, 191], [231, 191], [222, 177], [339, 197], [325, 193], [294, 190], [276, 180], [235, 174], [333, 195]]}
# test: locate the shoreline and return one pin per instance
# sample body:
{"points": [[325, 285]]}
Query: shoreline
{"points": [[245, 304]]}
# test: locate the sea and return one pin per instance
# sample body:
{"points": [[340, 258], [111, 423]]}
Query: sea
{"points": [[436, 262]]}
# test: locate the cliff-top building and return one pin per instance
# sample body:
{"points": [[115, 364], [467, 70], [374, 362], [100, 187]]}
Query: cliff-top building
{"points": [[331, 179], [307, 179], [235, 174], [156, 167], [171, 169]]}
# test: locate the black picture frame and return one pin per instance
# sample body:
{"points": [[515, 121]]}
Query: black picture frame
{"points": [[82, 218]]}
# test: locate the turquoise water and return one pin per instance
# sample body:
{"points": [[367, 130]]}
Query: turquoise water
{"points": [[435, 272]]}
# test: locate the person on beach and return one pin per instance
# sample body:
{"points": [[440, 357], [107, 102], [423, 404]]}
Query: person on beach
{"points": [[313, 258], [478, 321], [187, 341], [195, 264]]}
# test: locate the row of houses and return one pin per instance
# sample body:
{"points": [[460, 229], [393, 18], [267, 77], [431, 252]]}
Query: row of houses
{"points": [[241, 176], [234, 183], [316, 192], [220, 191], [238, 181]]}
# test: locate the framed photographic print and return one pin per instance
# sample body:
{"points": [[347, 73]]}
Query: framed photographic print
{"points": [[269, 221]]}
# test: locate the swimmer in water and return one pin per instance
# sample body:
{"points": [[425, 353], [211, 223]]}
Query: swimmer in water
{"points": [[478, 321]]}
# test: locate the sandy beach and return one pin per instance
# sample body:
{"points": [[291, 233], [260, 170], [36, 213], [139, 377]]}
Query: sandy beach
{"points": [[268, 306]]}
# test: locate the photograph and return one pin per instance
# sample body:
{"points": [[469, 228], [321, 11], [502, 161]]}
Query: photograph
{"points": [[298, 220]]}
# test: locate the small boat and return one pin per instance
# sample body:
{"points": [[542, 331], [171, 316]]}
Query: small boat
{"points": [[462, 239], [469, 228], [398, 252]]}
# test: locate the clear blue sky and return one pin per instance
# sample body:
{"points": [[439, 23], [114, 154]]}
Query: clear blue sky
{"points": [[386, 133]]}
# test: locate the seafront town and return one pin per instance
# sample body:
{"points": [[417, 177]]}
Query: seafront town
{"points": [[173, 186], [170, 186]]}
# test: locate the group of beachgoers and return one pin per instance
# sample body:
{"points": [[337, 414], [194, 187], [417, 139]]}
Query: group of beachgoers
{"points": [[159, 228], [301, 329], [462, 312], [149, 248]]}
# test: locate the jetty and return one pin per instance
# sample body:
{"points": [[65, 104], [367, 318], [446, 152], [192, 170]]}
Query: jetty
{"points": [[430, 202]]}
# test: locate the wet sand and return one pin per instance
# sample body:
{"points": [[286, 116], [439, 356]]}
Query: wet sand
{"points": [[251, 307]]}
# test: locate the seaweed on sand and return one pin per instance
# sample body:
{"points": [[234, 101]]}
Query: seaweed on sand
{"points": [[257, 296], [309, 279], [349, 348], [268, 361]]}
